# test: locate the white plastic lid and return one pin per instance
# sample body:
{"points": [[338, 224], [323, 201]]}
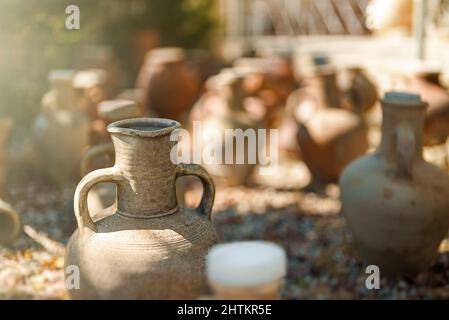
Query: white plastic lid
{"points": [[246, 263], [402, 97]]}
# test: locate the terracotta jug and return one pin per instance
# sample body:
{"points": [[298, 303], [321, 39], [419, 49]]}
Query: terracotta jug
{"points": [[149, 248], [9, 219], [359, 92], [61, 130], [220, 109], [329, 137], [396, 204], [170, 85]]}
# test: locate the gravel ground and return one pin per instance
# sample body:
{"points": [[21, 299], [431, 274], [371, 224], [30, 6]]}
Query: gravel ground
{"points": [[322, 264]]}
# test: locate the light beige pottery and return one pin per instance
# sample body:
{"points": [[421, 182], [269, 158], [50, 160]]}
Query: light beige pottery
{"points": [[61, 131], [149, 248], [396, 204], [102, 155], [9, 219], [219, 110]]}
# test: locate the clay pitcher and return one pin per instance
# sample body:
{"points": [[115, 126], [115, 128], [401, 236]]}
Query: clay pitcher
{"points": [[219, 110], [396, 204], [329, 137], [149, 248], [102, 154], [61, 130], [169, 84], [359, 92]]}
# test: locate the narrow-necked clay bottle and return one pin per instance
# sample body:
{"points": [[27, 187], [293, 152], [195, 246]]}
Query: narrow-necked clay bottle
{"points": [[102, 155], [149, 247], [248, 270], [329, 137], [61, 130], [396, 204]]}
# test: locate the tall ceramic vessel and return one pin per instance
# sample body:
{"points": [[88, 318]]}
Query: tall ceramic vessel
{"points": [[329, 137], [61, 130], [149, 248], [220, 110], [396, 204]]}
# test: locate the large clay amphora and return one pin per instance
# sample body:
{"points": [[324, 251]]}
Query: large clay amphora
{"points": [[220, 110], [396, 204], [149, 247], [329, 137]]}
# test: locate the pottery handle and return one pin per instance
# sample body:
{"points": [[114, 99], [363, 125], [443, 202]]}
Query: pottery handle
{"points": [[94, 152], [207, 201], [405, 146], [82, 214]]}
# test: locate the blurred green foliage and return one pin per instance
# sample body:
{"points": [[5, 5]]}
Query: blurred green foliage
{"points": [[33, 39]]}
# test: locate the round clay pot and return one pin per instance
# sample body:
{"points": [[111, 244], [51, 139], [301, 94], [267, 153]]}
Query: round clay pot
{"points": [[396, 204], [149, 247], [170, 85]]}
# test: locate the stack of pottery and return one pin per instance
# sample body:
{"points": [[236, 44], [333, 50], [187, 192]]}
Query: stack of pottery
{"points": [[329, 137], [170, 86], [61, 130], [222, 109], [396, 204], [148, 247], [9, 219], [102, 154]]}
